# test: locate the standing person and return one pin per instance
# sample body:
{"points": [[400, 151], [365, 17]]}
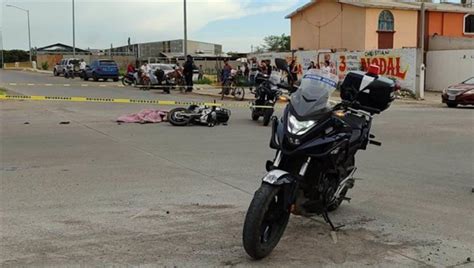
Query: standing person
{"points": [[82, 68], [188, 69], [263, 67], [293, 72], [326, 67], [246, 70], [201, 72], [269, 67], [225, 74]]}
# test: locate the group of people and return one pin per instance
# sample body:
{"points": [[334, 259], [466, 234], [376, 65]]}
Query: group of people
{"points": [[186, 72]]}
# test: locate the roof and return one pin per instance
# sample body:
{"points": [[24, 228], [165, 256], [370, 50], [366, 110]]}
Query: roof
{"points": [[392, 5], [58, 48]]}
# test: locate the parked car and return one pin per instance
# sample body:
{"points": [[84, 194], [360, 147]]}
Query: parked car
{"points": [[61, 67], [167, 68], [459, 94], [102, 69]]}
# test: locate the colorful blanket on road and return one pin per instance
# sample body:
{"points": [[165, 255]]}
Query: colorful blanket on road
{"points": [[144, 116]]}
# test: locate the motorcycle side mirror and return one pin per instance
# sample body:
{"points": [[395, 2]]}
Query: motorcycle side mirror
{"points": [[281, 64]]}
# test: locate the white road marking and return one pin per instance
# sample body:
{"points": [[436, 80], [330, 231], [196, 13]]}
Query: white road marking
{"points": [[102, 85], [67, 85], [12, 84], [48, 85], [30, 84], [84, 85]]}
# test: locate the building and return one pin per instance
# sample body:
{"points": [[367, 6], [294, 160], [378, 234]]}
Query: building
{"points": [[168, 49], [368, 25]]}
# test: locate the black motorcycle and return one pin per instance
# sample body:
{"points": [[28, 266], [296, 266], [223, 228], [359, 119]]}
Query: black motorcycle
{"points": [[129, 79], [315, 153], [201, 115], [266, 94]]}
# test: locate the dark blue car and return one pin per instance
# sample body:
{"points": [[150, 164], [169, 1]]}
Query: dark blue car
{"points": [[102, 69]]}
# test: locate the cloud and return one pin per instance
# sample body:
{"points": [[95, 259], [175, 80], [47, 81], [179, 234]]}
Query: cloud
{"points": [[102, 22]]}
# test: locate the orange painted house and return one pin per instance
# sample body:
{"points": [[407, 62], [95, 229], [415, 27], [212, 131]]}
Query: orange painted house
{"points": [[368, 25]]}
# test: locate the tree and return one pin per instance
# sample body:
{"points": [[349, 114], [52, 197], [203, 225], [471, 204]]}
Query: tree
{"points": [[277, 43]]}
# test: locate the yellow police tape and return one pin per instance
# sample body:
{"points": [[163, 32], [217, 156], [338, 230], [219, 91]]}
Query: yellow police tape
{"points": [[130, 101]]}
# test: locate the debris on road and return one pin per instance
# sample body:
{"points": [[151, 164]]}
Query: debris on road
{"points": [[64, 123], [144, 116]]}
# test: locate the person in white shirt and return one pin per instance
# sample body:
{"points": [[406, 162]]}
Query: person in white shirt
{"points": [[82, 67]]}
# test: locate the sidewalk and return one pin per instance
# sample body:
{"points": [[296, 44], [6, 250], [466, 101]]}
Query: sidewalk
{"points": [[431, 97], [30, 70]]}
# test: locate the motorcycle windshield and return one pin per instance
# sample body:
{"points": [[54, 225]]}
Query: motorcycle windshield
{"points": [[312, 97]]}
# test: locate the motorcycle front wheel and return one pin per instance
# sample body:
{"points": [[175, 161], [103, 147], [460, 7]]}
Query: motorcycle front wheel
{"points": [[267, 116], [126, 81], [265, 221], [176, 118]]}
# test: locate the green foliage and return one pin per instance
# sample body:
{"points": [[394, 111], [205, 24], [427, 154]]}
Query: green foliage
{"points": [[204, 81], [44, 65], [277, 43], [15, 55]]}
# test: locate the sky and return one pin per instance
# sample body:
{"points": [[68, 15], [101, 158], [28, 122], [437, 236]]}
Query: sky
{"points": [[236, 24]]}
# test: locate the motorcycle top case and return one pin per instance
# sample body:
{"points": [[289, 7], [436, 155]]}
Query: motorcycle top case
{"points": [[379, 94], [222, 116]]}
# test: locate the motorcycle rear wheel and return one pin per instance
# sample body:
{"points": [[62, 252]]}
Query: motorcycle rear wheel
{"points": [[176, 119], [265, 221]]}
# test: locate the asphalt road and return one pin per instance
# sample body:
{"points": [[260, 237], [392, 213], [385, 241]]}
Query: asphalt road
{"points": [[93, 192]]}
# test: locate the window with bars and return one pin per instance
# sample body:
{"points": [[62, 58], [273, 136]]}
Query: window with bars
{"points": [[386, 21]]}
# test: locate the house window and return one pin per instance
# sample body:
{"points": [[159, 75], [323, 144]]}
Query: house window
{"points": [[386, 21], [469, 24]]}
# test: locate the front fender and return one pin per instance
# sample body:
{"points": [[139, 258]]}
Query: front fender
{"points": [[278, 177]]}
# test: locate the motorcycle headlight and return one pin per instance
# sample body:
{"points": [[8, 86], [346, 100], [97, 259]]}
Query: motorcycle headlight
{"points": [[299, 127]]}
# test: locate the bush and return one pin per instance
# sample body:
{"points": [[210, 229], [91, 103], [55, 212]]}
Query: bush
{"points": [[44, 66], [204, 81]]}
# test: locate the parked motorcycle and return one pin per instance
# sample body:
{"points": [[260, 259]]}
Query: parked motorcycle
{"points": [[201, 115], [129, 79], [266, 95], [231, 86], [315, 153], [154, 79]]}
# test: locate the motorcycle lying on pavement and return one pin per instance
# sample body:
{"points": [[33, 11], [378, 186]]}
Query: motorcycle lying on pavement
{"points": [[315, 153], [201, 115], [266, 94]]}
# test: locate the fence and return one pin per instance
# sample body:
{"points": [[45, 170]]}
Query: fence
{"points": [[25, 64]]}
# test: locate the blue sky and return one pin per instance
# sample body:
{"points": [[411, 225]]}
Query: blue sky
{"points": [[236, 24]]}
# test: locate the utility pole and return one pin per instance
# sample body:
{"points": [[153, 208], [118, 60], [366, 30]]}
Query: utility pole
{"points": [[421, 71], [1, 47], [29, 33], [185, 45], [73, 32]]}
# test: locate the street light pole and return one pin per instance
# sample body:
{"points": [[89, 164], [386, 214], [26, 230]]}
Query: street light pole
{"points": [[29, 34], [73, 32], [185, 32]]}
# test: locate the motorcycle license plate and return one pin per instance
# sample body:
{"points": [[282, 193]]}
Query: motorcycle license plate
{"points": [[451, 97]]}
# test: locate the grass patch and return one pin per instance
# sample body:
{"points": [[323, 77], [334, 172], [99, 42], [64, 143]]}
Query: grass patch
{"points": [[3, 91]]}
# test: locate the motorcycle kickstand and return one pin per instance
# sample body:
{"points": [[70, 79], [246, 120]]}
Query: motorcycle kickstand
{"points": [[328, 220]]}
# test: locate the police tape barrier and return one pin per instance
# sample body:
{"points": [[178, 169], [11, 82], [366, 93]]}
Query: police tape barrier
{"points": [[131, 101]]}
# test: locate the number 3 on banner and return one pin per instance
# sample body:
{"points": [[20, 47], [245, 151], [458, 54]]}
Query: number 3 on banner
{"points": [[342, 66]]}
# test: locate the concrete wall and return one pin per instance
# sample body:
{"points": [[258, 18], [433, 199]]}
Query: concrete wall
{"points": [[405, 35], [448, 67], [450, 43]]}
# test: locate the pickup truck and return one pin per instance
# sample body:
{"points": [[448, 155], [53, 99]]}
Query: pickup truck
{"points": [[61, 67]]}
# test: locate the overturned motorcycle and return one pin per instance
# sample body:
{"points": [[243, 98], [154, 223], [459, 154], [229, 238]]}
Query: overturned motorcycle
{"points": [[200, 115], [315, 152]]}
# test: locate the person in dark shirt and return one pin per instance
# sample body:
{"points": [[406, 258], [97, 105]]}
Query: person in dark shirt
{"points": [[188, 69]]}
